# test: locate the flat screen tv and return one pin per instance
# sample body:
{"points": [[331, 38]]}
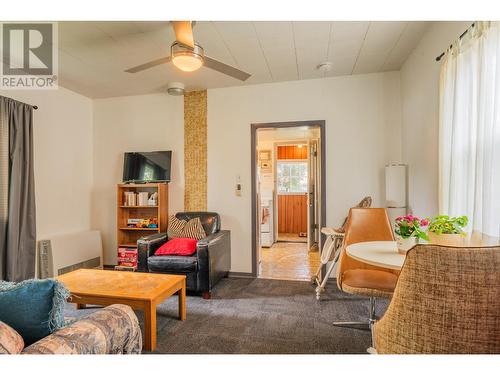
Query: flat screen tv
{"points": [[141, 167]]}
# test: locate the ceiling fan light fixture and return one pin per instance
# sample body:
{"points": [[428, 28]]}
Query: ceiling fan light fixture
{"points": [[185, 58], [175, 88]]}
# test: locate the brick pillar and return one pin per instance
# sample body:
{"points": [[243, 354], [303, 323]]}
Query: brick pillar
{"points": [[195, 151]]}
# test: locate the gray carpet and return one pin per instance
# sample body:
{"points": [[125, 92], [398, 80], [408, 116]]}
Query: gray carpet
{"points": [[261, 316]]}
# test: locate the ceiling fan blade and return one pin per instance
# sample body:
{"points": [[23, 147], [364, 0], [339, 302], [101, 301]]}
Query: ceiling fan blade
{"points": [[226, 69], [148, 65], [184, 32]]}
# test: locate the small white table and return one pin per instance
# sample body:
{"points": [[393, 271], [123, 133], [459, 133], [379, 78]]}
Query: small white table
{"points": [[377, 253]]}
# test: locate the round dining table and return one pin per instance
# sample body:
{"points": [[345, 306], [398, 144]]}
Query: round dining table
{"points": [[385, 253], [377, 253]]}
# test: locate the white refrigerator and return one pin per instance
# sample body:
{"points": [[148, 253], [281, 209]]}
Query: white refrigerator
{"points": [[267, 222]]}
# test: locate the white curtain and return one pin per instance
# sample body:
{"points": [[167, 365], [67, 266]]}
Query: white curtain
{"points": [[469, 134]]}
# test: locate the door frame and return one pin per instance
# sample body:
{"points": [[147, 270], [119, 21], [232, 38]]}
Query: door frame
{"points": [[313, 177], [289, 124], [275, 176]]}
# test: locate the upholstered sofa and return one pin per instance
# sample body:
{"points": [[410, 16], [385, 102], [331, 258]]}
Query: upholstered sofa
{"points": [[203, 269], [111, 330]]}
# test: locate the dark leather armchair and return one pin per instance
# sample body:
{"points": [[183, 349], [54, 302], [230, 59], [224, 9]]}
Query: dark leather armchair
{"points": [[204, 268]]}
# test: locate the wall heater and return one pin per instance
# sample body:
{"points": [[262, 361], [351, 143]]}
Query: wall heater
{"points": [[63, 253]]}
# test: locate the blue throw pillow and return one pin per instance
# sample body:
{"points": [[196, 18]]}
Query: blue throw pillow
{"points": [[34, 308]]}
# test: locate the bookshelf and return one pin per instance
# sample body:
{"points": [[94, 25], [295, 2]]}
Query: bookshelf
{"points": [[127, 236]]}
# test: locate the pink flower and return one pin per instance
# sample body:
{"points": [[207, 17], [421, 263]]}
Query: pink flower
{"points": [[399, 218], [424, 222]]}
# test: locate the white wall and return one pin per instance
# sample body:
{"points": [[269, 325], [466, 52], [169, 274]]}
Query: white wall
{"points": [[363, 122], [133, 123], [62, 159], [420, 113]]}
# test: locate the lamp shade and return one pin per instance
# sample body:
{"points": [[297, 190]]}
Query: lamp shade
{"points": [[186, 58]]}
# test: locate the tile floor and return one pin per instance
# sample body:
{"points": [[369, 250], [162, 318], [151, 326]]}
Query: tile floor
{"points": [[288, 261], [291, 237]]}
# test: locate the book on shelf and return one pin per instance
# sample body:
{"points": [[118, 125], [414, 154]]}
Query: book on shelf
{"points": [[127, 264], [127, 257], [126, 250]]}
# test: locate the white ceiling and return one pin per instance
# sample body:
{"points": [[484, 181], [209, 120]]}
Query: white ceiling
{"points": [[94, 55]]}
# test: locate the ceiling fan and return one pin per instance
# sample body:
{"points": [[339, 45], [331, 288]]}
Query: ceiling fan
{"points": [[189, 56]]}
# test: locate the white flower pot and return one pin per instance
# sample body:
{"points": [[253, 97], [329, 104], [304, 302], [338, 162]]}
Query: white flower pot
{"points": [[405, 244]]}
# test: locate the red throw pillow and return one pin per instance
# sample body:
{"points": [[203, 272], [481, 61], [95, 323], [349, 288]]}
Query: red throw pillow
{"points": [[178, 246]]}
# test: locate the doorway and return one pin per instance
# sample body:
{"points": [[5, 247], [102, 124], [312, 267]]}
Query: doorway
{"points": [[288, 178]]}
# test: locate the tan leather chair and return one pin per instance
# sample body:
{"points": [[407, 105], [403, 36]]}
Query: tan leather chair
{"points": [[447, 301], [355, 277], [331, 250]]}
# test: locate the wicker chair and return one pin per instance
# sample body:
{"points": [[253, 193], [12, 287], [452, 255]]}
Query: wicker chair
{"points": [[447, 300], [355, 277]]}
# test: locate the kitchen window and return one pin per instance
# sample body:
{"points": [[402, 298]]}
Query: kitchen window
{"points": [[292, 176]]}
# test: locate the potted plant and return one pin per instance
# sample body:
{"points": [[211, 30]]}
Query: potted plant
{"points": [[446, 230], [409, 229]]}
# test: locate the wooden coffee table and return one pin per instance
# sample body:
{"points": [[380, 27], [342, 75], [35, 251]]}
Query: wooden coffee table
{"points": [[138, 290]]}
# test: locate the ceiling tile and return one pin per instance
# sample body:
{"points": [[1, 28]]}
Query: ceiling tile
{"points": [[207, 36], [345, 44], [349, 31], [276, 40], [149, 26], [161, 36], [118, 28], [311, 44], [342, 65], [93, 55], [405, 45], [243, 44], [78, 32], [382, 36], [103, 52], [232, 30], [380, 40], [369, 63], [139, 48]]}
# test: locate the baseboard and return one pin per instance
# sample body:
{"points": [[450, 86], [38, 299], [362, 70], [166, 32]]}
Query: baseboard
{"points": [[245, 275]]}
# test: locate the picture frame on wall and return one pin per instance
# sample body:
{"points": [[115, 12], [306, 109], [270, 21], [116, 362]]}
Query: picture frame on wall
{"points": [[265, 155]]}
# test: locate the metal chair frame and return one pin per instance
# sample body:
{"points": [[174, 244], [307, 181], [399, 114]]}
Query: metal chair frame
{"points": [[331, 251]]}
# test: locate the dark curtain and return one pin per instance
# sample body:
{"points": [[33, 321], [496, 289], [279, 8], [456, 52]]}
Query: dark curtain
{"points": [[17, 191]]}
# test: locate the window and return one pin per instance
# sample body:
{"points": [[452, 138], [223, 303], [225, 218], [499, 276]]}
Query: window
{"points": [[469, 134], [292, 176]]}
